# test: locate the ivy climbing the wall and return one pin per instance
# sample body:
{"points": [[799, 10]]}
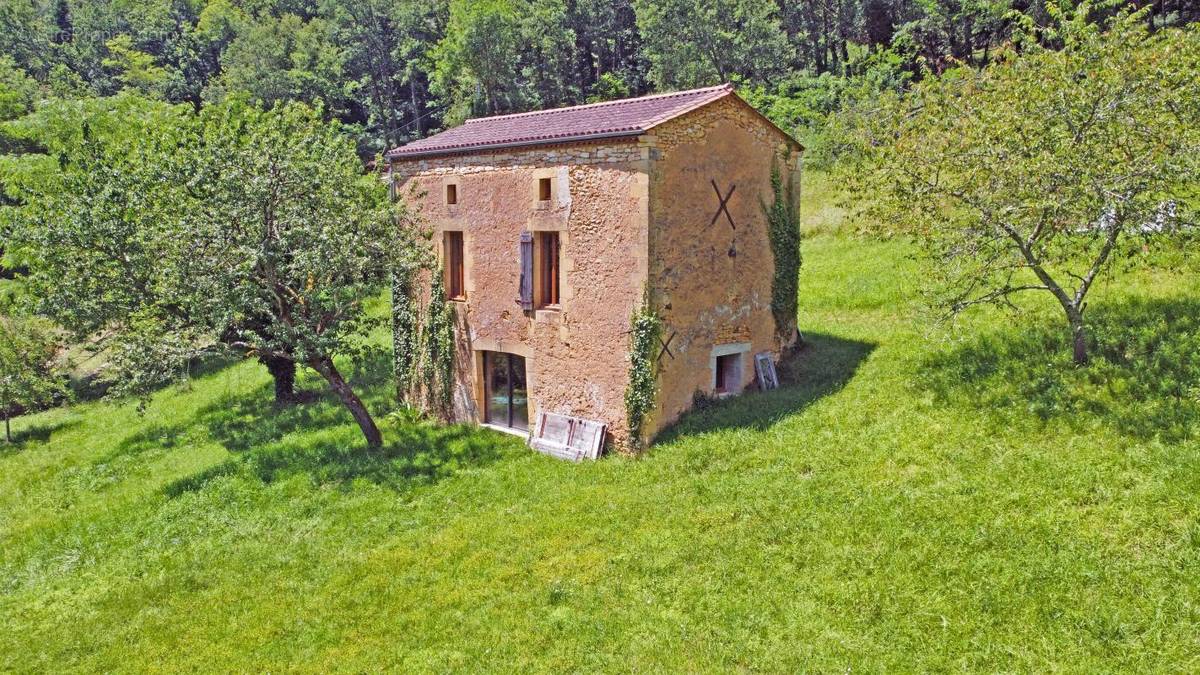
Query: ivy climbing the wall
{"points": [[784, 231], [423, 341], [405, 330], [644, 334], [438, 338]]}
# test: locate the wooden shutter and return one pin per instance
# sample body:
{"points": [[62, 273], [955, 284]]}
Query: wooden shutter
{"points": [[526, 271]]}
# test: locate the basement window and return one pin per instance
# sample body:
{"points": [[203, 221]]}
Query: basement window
{"points": [[544, 189], [727, 362], [452, 194]]}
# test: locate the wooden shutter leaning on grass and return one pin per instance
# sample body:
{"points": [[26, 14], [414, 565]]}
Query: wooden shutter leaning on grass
{"points": [[527, 271]]}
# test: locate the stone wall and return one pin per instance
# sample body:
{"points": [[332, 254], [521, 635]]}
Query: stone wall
{"points": [[712, 281], [632, 215], [596, 152], [576, 356]]}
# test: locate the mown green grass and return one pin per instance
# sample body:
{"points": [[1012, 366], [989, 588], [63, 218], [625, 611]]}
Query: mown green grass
{"points": [[908, 501]]}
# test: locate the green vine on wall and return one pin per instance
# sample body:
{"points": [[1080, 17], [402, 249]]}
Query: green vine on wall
{"points": [[645, 331], [423, 341], [784, 231], [405, 331], [439, 344]]}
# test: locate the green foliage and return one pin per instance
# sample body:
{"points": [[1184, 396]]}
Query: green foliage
{"points": [[1040, 172], [396, 69], [475, 71], [87, 214], [406, 330], [438, 341], [783, 228], [807, 105], [609, 87], [503, 56], [242, 227], [17, 92], [645, 330], [286, 59], [135, 69], [423, 346], [29, 374], [693, 44]]}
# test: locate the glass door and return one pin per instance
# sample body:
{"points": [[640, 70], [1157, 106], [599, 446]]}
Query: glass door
{"points": [[506, 391]]}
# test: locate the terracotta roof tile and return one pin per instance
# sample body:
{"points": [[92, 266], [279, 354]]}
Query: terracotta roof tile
{"points": [[626, 117]]}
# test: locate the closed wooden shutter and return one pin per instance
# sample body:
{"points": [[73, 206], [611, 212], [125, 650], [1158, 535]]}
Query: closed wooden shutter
{"points": [[527, 271]]}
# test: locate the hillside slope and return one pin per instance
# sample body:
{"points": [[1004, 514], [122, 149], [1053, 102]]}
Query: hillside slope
{"points": [[911, 499]]}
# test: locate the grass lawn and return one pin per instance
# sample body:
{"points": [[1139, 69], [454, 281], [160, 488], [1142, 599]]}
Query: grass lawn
{"points": [[912, 499]]}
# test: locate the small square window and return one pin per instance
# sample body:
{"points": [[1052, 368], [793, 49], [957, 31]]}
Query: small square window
{"points": [[544, 189], [728, 374], [451, 194]]}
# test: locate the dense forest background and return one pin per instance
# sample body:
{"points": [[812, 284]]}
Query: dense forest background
{"points": [[399, 69]]}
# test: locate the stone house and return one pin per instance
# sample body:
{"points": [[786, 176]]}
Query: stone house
{"points": [[553, 227]]}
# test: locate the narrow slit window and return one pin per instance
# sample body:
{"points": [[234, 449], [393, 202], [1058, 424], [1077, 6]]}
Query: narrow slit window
{"points": [[544, 189], [455, 286], [548, 269], [451, 194]]}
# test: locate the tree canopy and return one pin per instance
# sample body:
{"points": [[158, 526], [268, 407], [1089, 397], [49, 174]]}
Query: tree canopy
{"points": [[1039, 173], [176, 234], [29, 374], [395, 70]]}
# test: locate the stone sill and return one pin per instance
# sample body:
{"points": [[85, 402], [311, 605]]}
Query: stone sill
{"points": [[505, 430]]}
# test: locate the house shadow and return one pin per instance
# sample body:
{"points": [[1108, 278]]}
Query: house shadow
{"points": [[319, 439], [1142, 380], [821, 367]]}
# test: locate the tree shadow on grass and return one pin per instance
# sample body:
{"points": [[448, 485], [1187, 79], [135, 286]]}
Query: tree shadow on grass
{"points": [[823, 365], [38, 433], [1143, 379], [319, 439], [94, 386]]}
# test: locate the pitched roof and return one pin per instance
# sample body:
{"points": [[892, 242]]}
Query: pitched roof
{"points": [[610, 119]]}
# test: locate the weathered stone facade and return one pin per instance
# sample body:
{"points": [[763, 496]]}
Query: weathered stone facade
{"points": [[634, 215], [710, 280]]}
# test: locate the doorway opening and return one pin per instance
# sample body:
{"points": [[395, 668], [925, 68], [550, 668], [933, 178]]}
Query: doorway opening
{"points": [[506, 392]]}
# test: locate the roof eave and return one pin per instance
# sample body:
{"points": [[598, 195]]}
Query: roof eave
{"points": [[476, 149]]}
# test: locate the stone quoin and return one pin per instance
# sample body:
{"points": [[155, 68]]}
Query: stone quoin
{"points": [[600, 206]]}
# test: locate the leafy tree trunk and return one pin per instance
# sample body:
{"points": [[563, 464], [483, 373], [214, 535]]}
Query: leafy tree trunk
{"points": [[349, 399], [7, 428], [283, 371]]}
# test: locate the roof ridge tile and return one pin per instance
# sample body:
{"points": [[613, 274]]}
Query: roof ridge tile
{"points": [[592, 121], [600, 104]]}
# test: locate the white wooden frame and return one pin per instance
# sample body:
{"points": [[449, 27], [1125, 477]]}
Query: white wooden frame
{"points": [[764, 370]]}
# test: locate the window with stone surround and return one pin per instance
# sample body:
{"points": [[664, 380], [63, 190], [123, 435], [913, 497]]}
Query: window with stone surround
{"points": [[455, 264], [548, 269], [452, 194], [545, 189], [728, 363], [727, 373]]}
